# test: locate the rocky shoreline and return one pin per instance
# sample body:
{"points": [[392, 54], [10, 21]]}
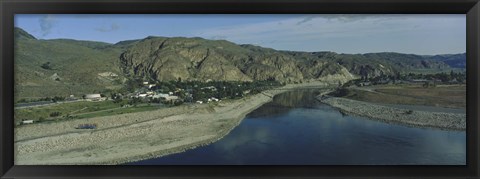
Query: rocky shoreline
{"points": [[440, 120]]}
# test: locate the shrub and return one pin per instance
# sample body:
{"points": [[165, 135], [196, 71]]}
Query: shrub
{"points": [[55, 114], [409, 112], [46, 66]]}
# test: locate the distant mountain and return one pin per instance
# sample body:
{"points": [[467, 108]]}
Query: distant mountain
{"points": [[89, 44], [453, 60], [65, 66]]}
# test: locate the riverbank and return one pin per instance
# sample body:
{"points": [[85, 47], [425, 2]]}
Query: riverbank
{"points": [[441, 120], [136, 136]]}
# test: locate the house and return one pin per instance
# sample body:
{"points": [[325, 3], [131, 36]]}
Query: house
{"points": [[93, 97], [199, 102], [170, 98], [27, 122], [212, 88], [143, 95], [160, 95], [145, 82]]}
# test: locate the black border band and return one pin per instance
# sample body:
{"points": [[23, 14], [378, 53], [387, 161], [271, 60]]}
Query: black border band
{"points": [[10, 7]]}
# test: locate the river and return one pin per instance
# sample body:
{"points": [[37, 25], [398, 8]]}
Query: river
{"points": [[296, 129]]}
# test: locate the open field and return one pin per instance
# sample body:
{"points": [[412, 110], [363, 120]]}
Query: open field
{"points": [[77, 110], [449, 96]]}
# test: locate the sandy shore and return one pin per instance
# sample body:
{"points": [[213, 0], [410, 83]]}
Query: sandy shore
{"points": [[135, 136], [441, 120]]}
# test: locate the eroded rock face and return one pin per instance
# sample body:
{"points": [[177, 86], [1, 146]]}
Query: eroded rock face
{"points": [[164, 59], [167, 59], [173, 58]]}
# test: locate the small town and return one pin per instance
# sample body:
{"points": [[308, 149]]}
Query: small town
{"points": [[141, 95]]}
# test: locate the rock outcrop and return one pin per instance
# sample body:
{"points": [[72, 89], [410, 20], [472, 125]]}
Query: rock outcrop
{"points": [[164, 59]]}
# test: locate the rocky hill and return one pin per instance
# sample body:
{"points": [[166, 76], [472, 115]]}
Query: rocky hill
{"points": [[159, 58], [64, 66]]}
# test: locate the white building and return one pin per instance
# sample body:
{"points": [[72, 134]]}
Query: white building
{"points": [[27, 122], [169, 98], [93, 97], [160, 95]]}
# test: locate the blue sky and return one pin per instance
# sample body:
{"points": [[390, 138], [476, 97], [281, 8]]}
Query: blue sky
{"points": [[418, 34]]}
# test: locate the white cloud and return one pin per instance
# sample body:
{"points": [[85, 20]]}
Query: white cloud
{"points": [[46, 24]]}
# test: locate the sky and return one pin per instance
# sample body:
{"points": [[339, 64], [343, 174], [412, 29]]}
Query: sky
{"points": [[342, 33]]}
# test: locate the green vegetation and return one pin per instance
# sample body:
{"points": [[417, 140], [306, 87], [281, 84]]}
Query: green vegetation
{"points": [[52, 99], [78, 110], [188, 91], [76, 63], [451, 96], [46, 66], [218, 89]]}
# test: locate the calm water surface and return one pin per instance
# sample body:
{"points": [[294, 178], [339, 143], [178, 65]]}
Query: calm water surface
{"points": [[295, 129]]}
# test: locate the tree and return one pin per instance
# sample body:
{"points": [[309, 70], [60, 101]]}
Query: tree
{"points": [[55, 114]]}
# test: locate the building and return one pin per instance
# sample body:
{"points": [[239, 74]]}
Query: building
{"points": [[212, 88], [170, 98], [93, 97], [160, 95], [27, 122]]}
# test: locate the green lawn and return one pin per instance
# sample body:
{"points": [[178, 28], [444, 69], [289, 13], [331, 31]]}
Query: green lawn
{"points": [[79, 110]]}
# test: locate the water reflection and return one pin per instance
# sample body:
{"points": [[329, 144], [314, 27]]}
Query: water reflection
{"points": [[294, 129]]}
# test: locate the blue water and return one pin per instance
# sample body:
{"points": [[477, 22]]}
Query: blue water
{"points": [[295, 129]]}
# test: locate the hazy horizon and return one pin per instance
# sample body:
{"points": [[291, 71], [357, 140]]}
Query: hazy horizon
{"points": [[340, 33]]}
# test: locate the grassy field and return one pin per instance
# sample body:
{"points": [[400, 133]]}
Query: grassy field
{"points": [[78, 110], [450, 96], [86, 109]]}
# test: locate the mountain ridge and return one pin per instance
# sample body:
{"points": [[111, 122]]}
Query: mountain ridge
{"points": [[81, 63]]}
